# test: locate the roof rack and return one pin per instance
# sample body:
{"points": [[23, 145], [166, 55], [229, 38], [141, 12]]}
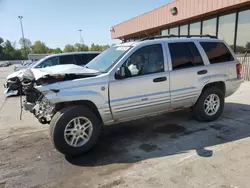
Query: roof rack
{"points": [[178, 36]]}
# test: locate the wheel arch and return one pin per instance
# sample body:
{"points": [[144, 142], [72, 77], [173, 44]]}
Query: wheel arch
{"points": [[89, 104], [219, 84]]}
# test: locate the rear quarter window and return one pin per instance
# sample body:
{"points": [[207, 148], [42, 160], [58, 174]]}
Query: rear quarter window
{"points": [[217, 52]]}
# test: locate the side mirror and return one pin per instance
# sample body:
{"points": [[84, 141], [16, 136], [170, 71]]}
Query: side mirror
{"points": [[120, 73]]}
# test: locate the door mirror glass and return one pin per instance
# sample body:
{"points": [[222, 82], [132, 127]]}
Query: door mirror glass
{"points": [[120, 73]]}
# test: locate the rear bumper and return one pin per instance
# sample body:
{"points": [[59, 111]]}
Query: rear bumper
{"points": [[232, 85]]}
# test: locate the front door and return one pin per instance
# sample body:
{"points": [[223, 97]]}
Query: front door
{"points": [[145, 88]]}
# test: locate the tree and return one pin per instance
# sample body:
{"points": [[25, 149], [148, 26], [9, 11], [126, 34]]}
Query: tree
{"points": [[96, 47], [8, 49], [1, 48], [27, 48], [69, 48], [9, 52], [240, 49], [27, 43], [248, 46], [39, 48], [81, 47], [105, 47], [57, 51]]}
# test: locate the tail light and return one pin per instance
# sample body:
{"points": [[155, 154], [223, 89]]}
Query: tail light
{"points": [[239, 70]]}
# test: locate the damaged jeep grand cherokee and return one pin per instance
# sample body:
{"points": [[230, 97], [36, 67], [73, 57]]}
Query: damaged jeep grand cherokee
{"points": [[131, 81]]}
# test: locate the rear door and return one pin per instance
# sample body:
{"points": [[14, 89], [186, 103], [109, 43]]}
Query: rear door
{"points": [[188, 72], [83, 59]]}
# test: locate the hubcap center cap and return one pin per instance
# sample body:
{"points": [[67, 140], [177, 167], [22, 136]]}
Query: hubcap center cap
{"points": [[78, 132]]}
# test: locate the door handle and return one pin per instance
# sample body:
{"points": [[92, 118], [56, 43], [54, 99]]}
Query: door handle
{"points": [[160, 79], [202, 72]]}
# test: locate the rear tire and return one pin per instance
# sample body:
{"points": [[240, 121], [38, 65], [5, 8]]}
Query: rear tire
{"points": [[74, 130], [210, 105]]}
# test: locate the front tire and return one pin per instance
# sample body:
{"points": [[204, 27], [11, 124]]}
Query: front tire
{"points": [[210, 105], [74, 130]]}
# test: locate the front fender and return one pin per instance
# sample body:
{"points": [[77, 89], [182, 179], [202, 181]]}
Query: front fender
{"points": [[69, 95], [98, 99]]}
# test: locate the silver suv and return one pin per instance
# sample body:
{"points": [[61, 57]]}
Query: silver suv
{"points": [[130, 81]]}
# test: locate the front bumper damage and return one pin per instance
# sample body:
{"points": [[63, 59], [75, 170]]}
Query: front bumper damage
{"points": [[42, 110], [39, 105], [8, 92], [31, 81], [12, 87]]}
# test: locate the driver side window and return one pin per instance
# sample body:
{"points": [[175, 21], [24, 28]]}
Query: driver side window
{"points": [[146, 60], [49, 62]]}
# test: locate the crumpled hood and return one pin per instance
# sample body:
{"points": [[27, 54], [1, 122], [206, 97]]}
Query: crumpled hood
{"points": [[14, 74], [37, 73]]}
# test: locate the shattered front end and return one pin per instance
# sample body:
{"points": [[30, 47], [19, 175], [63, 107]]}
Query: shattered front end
{"points": [[12, 87], [39, 85], [38, 104]]}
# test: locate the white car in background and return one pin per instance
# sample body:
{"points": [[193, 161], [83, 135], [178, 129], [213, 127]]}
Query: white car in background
{"points": [[13, 86]]}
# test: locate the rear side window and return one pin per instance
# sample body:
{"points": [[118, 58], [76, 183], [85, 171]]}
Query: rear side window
{"points": [[67, 59], [217, 52], [83, 59], [184, 55]]}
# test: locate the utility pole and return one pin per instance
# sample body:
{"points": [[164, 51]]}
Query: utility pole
{"points": [[24, 46], [80, 30]]}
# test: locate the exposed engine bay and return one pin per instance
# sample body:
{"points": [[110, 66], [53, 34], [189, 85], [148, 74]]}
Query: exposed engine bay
{"points": [[35, 101], [37, 104]]}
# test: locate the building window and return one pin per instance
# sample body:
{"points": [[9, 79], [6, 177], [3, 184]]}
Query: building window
{"points": [[164, 32], [195, 28], [243, 37], [174, 31], [227, 28], [184, 30], [209, 27], [217, 52]]}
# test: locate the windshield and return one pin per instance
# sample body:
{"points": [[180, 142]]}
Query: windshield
{"points": [[34, 64], [30, 64], [107, 58]]}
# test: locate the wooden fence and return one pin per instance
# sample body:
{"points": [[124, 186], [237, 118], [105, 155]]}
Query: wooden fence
{"points": [[245, 66]]}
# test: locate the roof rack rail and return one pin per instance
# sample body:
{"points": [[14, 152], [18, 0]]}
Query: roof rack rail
{"points": [[178, 36]]}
